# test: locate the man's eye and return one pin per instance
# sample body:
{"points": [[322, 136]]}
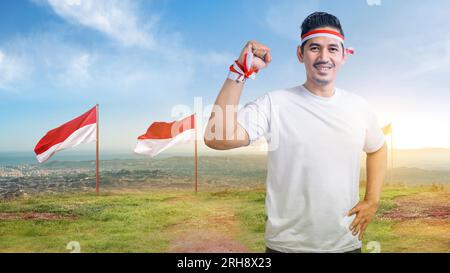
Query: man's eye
{"points": [[314, 48], [333, 50]]}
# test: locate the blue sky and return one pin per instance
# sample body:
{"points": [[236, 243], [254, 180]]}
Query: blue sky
{"points": [[141, 60]]}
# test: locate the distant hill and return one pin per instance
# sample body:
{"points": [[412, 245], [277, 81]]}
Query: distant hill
{"points": [[420, 166], [249, 169], [414, 176], [427, 158]]}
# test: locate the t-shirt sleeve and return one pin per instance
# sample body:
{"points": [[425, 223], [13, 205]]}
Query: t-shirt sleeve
{"points": [[254, 117], [374, 134]]}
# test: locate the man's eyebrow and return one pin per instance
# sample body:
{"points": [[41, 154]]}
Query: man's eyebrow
{"points": [[316, 44], [313, 44]]}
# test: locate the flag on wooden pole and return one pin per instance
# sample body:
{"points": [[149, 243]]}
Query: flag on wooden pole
{"points": [[97, 163], [195, 156], [79, 130], [82, 129], [163, 135], [388, 130]]}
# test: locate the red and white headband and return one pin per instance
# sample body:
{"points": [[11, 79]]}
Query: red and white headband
{"points": [[327, 33]]}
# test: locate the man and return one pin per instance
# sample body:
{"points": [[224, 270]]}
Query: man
{"points": [[315, 133]]}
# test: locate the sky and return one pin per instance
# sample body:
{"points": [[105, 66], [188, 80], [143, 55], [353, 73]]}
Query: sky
{"points": [[158, 60]]}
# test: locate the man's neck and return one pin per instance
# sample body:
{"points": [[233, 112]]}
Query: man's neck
{"points": [[318, 90]]}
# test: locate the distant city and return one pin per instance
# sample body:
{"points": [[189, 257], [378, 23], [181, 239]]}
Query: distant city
{"points": [[20, 174]]}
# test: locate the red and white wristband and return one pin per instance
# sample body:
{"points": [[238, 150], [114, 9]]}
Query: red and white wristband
{"points": [[241, 72]]}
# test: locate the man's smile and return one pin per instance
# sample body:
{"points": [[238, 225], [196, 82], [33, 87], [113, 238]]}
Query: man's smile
{"points": [[324, 68]]}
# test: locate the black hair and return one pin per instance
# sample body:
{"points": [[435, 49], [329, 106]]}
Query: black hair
{"points": [[318, 20]]}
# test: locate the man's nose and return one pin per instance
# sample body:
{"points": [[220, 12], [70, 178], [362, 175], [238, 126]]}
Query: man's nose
{"points": [[324, 55]]}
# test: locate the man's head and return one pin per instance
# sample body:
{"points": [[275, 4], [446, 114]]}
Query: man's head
{"points": [[322, 55]]}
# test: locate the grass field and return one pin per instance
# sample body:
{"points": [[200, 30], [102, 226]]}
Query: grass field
{"points": [[410, 219]]}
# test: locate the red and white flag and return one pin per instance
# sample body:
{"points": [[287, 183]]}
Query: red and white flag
{"points": [[79, 130], [163, 135]]}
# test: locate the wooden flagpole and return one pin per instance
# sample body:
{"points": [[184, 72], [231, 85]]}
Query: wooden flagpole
{"points": [[195, 152], [96, 153], [392, 153]]}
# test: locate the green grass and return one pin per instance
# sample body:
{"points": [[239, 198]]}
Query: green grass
{"points": [[249, 208], [105, 223], [148, 221], [391, 192], [385, 232]]}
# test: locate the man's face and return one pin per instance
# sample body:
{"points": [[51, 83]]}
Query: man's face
{"points": [[323, 57]]}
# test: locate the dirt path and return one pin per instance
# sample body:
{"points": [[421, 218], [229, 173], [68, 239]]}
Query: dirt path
{"points": [[427, 205], [211, 233], [422, 221], [33, 216]]}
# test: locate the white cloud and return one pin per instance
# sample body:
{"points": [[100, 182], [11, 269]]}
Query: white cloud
{"points": [[145, 63], [12, 69], [114, 18], [77, 70], [80, 65], [285, 18], [431, 57], [50, 62], [59, 68], [217, 58]]}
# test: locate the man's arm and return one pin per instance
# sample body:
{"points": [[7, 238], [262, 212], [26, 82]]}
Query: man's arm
{"points": [[223, 132], [220, 137], [376, 165]]}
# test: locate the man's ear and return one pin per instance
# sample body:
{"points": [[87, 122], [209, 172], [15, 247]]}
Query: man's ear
{"points": [[300, 54], [344, 59], [345, 55]]}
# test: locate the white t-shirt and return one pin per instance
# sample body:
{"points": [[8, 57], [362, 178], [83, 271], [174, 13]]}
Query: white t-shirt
{"points": [[315, 145]]}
